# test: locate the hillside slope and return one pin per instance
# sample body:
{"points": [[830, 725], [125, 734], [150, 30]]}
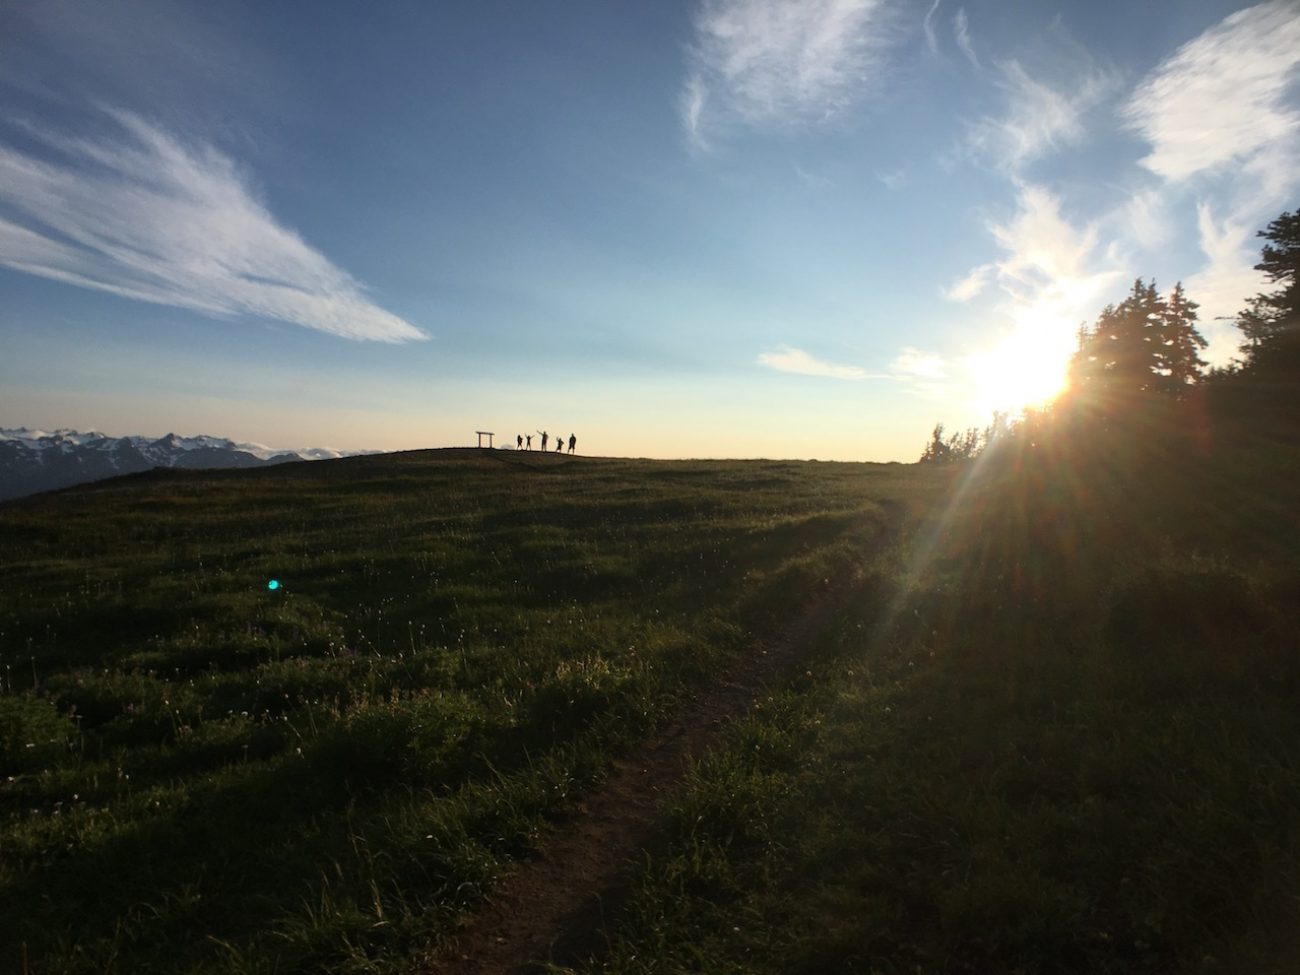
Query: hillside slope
{"points": [[1068, 745], [202, 773]]}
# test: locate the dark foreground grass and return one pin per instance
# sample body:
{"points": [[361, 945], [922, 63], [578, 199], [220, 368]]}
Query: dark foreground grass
{"points": [[1068, 741], [204, 775]]}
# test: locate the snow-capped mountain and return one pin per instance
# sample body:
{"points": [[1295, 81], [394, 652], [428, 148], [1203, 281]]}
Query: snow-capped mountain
{"points": [[39, 460]]}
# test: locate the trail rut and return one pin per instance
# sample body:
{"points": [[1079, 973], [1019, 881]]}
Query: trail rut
{"points": [[551, 909]]}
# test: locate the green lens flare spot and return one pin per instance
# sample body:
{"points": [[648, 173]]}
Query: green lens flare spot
{"points": [[273, 585]]}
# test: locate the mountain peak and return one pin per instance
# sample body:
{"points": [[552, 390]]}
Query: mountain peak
{"points": [[34, 460]]}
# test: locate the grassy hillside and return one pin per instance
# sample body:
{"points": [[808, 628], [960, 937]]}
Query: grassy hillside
{"points": [[1055, 728], [1069, 743], [204, 774]]}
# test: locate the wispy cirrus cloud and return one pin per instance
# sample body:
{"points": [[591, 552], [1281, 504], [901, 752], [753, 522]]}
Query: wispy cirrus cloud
{"points": [[798, 361], [1222, 97], [1039, 117], [893, 179], [777, 63], [1052, 275], [971, 285], [912, 363], [961, 29], [1227, 280], [927, 26], [1045, 256], [1221, 118], [694, 96], [147, 216], [923, 371], [1147, 219]]}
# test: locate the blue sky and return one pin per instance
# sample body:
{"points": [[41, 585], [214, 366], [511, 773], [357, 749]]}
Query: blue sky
{"points": [[729, 228]]}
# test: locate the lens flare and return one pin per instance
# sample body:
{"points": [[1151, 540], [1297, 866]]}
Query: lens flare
{"points": [[273, 585]]}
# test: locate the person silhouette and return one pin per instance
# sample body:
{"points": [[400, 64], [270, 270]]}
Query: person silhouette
{"points": [[530, 441], [559, 444], [573, 441], [519, 441], [543, 433]]}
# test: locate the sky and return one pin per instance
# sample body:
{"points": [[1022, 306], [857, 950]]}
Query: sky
{"points": [[716, 228]]}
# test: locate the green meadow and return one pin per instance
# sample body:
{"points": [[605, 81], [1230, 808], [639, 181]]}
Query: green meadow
{"points": [[1053, 727], [1067, 741], [201, 773]]}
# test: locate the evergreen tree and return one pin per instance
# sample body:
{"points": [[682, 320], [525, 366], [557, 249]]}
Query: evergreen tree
{"points": [[1178, 343], [1281, 262], [1120, 357], [937, 449], [963, 445], [1270, 322], [1086, 367], [1257, 324], [1263, 391]]}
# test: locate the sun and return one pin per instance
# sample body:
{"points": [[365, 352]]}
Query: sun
{"points": [[1026, 369]]}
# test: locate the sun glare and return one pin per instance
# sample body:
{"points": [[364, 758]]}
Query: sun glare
{"points": [[1023, 370]]}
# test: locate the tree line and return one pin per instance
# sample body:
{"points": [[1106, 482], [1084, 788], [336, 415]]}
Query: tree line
{"points": [[1138, 366]]}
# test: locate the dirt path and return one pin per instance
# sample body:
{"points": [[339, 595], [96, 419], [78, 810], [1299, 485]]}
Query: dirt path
{"points": [[552, 908]]}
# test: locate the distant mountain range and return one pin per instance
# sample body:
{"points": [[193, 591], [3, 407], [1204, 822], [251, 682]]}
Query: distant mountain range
{"points": [[36, 460]]}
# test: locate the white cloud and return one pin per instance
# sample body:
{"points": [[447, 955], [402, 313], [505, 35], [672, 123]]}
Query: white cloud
{"points": [[774, 63], [1228, 279], [924, 372], [1039, 117], [149, 217], [926, 25], [893, 179], [1221, 119], [1145, 217], [1044, 252], [1053, 275], [913, 364], [800, 362], [1221, 98], [814, 181], [694, 96], [1051, 272], [961, 27], [972, 285], [1220, 116]]}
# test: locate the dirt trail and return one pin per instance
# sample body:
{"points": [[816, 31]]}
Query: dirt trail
{"points": [[551, 909]]}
